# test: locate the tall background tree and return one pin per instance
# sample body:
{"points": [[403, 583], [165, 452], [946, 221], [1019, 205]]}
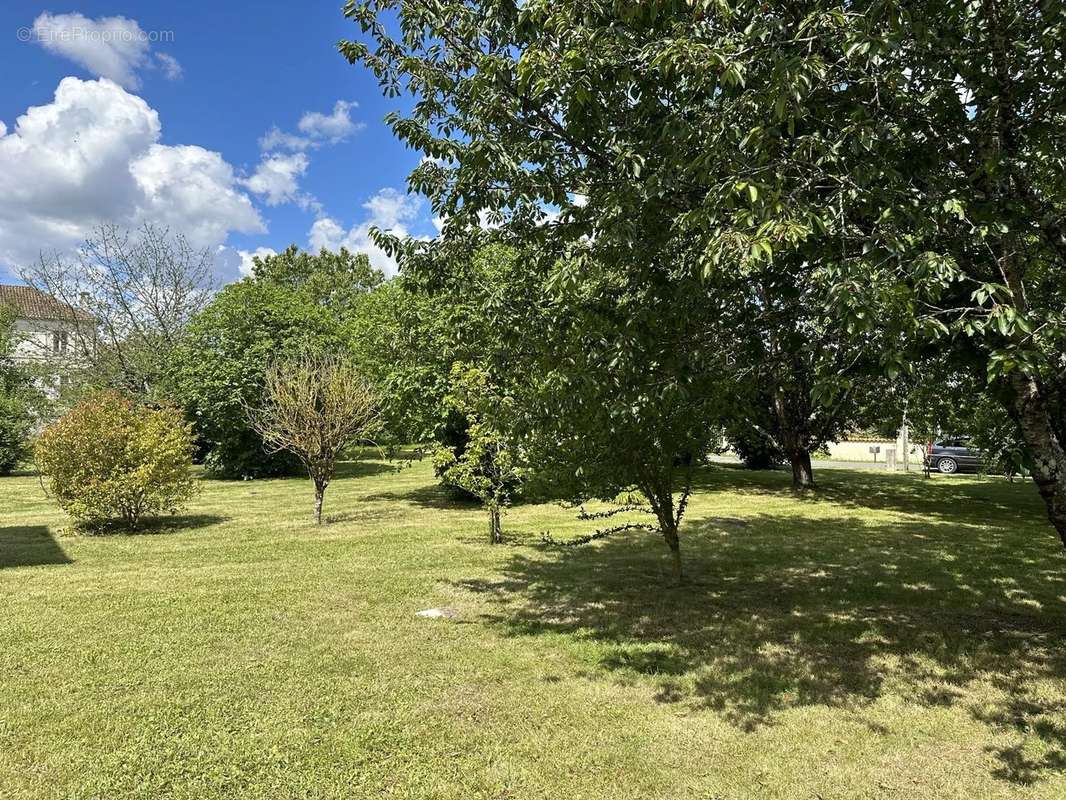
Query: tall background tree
{"points": [[609, 385], [805, 376], [406, 336], [284, 309], [141, 288]]}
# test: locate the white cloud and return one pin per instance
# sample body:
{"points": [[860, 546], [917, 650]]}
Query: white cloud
{"points": [[194, 191], [276, 139], [170, 66], [333, 127], [92, 156], [277, 177], [317, 128], [389, 210], [326, 233], [248, 255], [108, 47]]}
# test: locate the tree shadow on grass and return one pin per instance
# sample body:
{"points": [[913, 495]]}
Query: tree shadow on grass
{"points": [[364, 468], [29, 546], [790, 612], [151, 526], [958, 499], [359, 515], [428, 496]]}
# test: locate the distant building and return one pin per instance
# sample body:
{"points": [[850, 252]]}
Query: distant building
{"points": [[49, 334]]}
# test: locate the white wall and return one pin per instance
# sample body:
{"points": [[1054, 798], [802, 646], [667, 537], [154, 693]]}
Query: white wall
{"points": [[34, 338], [35, 346], [860, 451]]}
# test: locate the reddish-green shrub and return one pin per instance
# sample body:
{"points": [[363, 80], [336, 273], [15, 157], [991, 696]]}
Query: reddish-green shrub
{"points": [[112, 458]]}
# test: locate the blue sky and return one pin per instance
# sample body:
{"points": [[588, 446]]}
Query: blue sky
{"points": [[162, 112]]}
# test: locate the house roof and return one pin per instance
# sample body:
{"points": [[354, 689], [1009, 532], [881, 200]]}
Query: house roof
{"points": [[29, 303]]}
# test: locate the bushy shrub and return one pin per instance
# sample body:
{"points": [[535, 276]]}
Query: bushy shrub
{"points": [[488, 466], [753, 448], [111, 458], [16, 422]]}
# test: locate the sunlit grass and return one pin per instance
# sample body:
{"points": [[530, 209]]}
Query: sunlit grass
{"points": [[887, 636]]}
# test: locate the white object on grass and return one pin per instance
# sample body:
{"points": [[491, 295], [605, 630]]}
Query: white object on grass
{"points": [[438, 612]]}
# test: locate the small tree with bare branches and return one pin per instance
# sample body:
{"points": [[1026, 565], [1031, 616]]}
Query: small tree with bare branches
{"points": [[314, 406], [131, 294]]}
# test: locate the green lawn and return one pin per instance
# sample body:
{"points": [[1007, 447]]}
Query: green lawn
{"points": [[889, 637]]}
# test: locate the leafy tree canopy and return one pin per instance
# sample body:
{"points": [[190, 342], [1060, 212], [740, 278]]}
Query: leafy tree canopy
{"points": [[219, 369], [335, 280], [910, 153]]}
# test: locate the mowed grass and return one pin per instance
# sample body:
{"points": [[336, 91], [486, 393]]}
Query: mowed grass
{"points": [[885, 637]]}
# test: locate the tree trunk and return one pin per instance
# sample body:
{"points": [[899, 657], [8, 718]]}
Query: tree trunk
{"points": [[674, 543], [802, 472], [495, 528], [320, 493], [793, 442], [1049, 458], [668, 514]]}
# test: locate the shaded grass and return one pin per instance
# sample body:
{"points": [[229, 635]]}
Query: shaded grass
{"points": [[887, 636], [29, 546]]}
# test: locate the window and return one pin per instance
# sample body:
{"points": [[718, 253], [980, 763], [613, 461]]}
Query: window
{"points": [[59, 341]]}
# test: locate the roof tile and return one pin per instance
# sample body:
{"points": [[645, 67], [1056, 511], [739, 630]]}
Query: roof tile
{"points": [[29, 303]]}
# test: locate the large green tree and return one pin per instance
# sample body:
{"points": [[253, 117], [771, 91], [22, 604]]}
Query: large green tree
{"points": [[286, 308], [623, 391], [405, 338], [978, 105], [917, 142], [601, 380], [814, 374], [338, 280]]}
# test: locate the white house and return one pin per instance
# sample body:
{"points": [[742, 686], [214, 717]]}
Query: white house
{"points": [[48, 333]]}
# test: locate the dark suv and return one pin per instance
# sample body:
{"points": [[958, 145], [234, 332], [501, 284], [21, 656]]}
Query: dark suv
{"points": [[952, 455]]}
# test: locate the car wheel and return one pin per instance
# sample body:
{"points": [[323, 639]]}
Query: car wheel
{"points": [[948, 466]]}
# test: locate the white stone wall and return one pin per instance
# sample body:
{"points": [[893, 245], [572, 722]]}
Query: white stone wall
{"points": [[35, 346], [860, 451], [35, 339]]}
